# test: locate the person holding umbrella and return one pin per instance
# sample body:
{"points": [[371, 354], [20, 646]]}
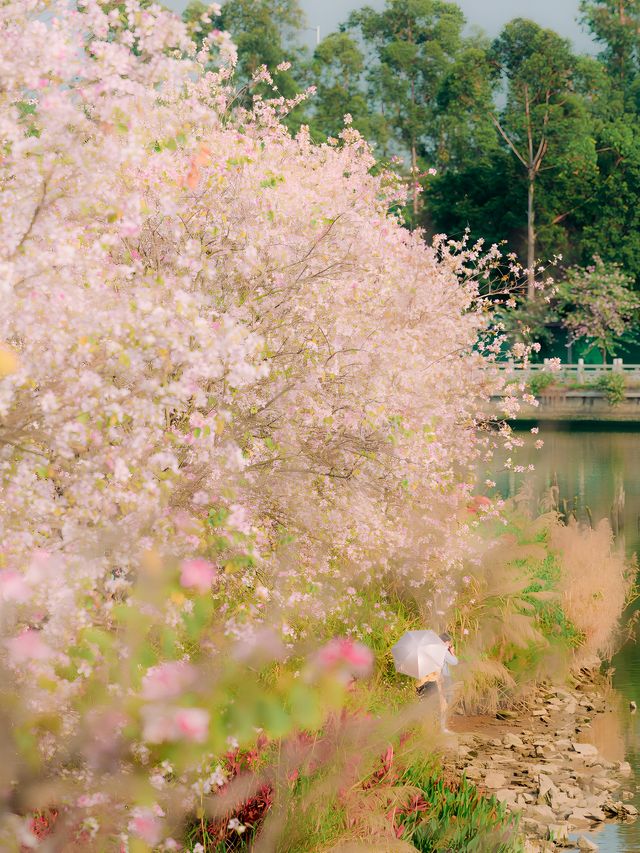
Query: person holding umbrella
{"points": [[427, 657]]}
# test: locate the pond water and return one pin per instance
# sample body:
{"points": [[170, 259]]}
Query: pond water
{"points": [[597, 475]]}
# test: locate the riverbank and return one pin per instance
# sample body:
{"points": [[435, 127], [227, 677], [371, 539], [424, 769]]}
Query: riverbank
{"points": [[539, 762]]}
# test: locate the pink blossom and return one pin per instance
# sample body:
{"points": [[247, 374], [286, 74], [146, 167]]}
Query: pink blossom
{"points": [[162, 724], [198, 574], [167, 680], [13, 587], [28, 646], [344, 652], [147, 825], [192, 724], [158, 724]]}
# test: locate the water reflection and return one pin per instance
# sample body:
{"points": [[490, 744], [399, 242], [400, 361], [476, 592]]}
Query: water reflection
{"points": [[594, 474]]}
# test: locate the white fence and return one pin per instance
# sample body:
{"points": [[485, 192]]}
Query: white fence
{"points": [[579, 373]]}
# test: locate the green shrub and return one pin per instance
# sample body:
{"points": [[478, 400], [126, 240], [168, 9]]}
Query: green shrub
{"points": [[539, 381], [613, 385]]}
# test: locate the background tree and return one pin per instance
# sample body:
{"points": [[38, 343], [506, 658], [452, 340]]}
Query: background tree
{"points": [[410, 46], [598, 304], [545, 122], [615, 24], [264, 32], [337, 71]]}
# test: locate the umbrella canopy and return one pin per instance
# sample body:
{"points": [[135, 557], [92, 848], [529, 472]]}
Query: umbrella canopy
{"points": [[418, 653]]}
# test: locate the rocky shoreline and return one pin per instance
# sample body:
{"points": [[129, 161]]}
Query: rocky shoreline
{"points": [[540, 764]]}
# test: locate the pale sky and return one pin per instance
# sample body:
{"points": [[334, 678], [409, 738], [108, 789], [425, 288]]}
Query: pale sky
{"points": [[559, 15], [490, 15]]}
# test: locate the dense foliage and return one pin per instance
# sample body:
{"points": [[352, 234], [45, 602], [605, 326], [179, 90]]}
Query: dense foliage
{"points": [[235, 394], [519, 140]]}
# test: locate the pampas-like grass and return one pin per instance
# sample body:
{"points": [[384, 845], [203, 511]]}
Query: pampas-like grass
{"points": [[595, 582]]}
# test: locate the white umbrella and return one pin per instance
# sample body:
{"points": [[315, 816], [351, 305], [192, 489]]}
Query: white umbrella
{"points": [[418, 653]]}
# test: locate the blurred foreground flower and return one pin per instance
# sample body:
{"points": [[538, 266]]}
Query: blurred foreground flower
{"points": [[197, 574], [27, 646], [167, 680], [346, 656]]}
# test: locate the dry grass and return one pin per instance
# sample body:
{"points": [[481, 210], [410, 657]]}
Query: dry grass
{"points": [[595, 582], [486, 686]]}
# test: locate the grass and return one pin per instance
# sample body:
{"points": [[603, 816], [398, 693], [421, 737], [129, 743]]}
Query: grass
{"points": [[457, 817], [542, 594], [595, 582]]}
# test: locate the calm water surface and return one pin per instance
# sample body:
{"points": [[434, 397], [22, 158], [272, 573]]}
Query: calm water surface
{"points": [[597, 473]]}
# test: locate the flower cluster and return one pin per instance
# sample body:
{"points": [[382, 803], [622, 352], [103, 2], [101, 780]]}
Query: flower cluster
{"points": [[221, 358]]}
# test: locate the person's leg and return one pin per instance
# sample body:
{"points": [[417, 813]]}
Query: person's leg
{"points": [[445, 700]]}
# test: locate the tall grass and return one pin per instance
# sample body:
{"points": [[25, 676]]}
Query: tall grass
{"points": [[545, 595], [595, 582]]}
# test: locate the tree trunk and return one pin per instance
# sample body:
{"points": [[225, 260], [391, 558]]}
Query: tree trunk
{"points": [[531, 240], [414, 178]]}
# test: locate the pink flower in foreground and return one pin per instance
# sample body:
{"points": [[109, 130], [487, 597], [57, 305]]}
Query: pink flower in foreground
{"points": [[192, 724], [167, 680], [343, 652], [198, 574], [158, 724], [28, 646], [13, 587], [146, 825], [162, 724]]}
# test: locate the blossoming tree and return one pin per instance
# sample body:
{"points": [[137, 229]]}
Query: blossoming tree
{"points": [[223, 366]]}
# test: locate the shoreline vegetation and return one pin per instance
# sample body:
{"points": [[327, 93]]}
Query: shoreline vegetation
{"points": [[541, 613]]}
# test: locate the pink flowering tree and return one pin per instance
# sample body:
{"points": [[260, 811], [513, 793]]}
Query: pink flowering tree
{"points": [[599, 305], [234, 392]]}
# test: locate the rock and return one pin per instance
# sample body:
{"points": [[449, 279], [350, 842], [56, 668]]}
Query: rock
{"points": [[472, 772], [612, 808], [585, 844], [542, 813], [580, 817], [633, 707], [507, 796], [585, 748], [495, 742], [495, 780], [512, 741], [534, 827], [541, 712], [559, 833], [627, 795], [629, 810], [624, 768], [545, 784], [601, 783], [595, 813]]}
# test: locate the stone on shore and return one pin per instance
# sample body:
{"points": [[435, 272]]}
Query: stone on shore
{"points": [[586, 845], [585, 748]]}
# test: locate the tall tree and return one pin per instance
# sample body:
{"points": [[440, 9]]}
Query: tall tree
{"points": [[615, 24], [465, 103], [264, 32], [545, 122], [337, 71], [411, 46]]}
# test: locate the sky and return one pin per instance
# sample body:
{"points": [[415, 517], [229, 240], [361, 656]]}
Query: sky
{"points": [[490, 15]]}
